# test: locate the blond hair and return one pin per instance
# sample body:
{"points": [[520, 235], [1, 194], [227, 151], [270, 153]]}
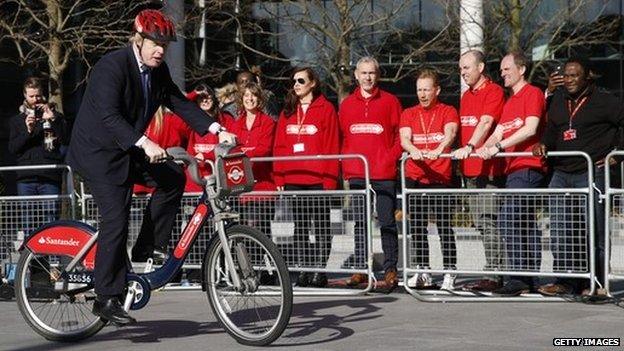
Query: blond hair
{"points": [[226, 93]]}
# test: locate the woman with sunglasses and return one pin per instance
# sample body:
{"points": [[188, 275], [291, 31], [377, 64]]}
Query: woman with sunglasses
{"points": [[308, 125], [255, 132], [202, 147]]}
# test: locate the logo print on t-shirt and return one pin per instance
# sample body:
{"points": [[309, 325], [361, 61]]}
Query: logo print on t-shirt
{"points": [[306, 129], [204, 147], [427, 138], [366, 128], [469, 121], [516, 123]]}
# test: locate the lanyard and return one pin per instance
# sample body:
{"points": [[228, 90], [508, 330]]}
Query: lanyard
{"points": [[301, 116], [576, 109], [426, 131]]}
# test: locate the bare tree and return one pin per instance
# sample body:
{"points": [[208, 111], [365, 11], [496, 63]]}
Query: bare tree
{"points": [[546, 29], [52, 33], [328, 35]]}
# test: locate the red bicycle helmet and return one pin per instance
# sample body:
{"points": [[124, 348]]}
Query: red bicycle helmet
{"points": [[154, 25]]}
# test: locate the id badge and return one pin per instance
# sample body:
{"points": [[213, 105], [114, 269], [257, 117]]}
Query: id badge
{"points": [[569, 134], [298, 147]]}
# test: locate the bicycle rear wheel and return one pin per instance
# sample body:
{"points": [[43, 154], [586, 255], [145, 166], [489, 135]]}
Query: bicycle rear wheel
{"points": [[53, 307], [258, 313]]}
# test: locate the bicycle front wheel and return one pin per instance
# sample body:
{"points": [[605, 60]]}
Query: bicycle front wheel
{"points": [[258, 312], [55, 308]]}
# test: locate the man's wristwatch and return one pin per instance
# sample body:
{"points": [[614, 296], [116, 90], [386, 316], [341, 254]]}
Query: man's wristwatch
{"points": [[470, 146], [499, 147]]}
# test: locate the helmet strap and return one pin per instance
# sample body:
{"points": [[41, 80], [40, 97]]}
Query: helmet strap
{"points": [[139, 46]]}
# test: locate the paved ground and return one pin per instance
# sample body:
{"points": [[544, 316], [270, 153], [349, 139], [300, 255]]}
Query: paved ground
{"points": [[182, 320]]}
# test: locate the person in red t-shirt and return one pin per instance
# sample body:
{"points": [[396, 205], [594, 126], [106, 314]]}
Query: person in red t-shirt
{"points": [[202, 147], [479, 110], [255, 131], [369, 121], [167, 130], [308, 125], [427, 130], [519, 131]]}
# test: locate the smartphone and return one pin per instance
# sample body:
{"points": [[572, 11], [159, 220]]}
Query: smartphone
{"points": [[559, 70]]}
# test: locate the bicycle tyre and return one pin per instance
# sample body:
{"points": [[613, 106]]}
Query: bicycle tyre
{"points": [[25, 304], [215, 278]]}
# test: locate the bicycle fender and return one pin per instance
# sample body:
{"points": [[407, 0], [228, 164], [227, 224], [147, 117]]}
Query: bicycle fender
{"points": [[214, 237], [63, 238]]}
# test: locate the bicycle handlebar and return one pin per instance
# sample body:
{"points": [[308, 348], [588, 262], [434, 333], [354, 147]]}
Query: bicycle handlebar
{"points": [[180, 154]]}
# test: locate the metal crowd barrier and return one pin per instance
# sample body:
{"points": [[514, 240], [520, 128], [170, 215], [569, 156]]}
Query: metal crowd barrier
{"points": [[614, 227], [327, 245], [19, 215], [457, 244]]}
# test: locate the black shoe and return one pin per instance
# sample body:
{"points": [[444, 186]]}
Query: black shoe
{"points": [[513, 288], [158, 256], [303, 279], [319, 280], [110, 309]]}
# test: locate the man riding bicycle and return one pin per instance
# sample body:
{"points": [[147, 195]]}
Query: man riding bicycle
{"points": [[109, 149]]}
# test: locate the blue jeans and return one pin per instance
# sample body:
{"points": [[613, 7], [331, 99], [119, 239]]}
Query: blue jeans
{"points": [[517, 225], [570, 244], [38, 212]]}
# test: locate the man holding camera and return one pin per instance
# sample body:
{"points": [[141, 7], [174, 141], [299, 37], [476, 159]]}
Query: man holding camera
{"points": [[37, 137]]}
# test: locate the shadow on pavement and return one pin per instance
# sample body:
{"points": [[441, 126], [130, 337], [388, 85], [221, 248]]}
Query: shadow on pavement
{"points": [[317, 322], [311, 323]]}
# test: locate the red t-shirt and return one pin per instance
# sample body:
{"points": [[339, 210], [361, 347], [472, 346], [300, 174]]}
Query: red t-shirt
{"points": [[370, 127], [427, 127], [257, 142], [488, 99], [529, 101], [205, 145], [172, 132]]}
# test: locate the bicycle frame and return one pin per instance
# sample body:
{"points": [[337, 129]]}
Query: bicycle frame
{"points": [[80, 241]]}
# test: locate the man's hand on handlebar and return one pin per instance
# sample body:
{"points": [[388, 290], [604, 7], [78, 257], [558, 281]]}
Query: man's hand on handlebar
{"points": [[153, 152], [227, 137]]}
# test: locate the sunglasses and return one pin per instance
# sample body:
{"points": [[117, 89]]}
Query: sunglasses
{"points": [[300, 81]]}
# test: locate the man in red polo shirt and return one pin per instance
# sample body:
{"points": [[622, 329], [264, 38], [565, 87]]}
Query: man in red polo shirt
{"points": [[427, 130], [369, 122], [480, 109], [519, 131]]}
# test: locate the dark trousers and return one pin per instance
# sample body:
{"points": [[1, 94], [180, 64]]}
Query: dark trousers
{"points": [[570, 244], [38, 212], [442, 207], [385, 200], [114, 203], [305, 210], [516, 223]]}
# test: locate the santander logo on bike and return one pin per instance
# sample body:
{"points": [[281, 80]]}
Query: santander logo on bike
{"points": [[59, 242]]}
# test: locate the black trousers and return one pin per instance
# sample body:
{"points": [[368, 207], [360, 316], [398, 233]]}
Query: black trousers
{"points": [[114, 201], [442, 206], [385, 191], [305, 210]]}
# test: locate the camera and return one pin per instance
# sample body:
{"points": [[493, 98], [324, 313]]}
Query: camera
{"points": [[38, 112]]}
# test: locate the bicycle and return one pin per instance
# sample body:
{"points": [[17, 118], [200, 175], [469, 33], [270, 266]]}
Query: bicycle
{"points": [[243, 273]]}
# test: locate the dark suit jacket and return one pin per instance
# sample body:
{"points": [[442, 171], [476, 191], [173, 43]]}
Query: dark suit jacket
{"points": [[110, 120]]}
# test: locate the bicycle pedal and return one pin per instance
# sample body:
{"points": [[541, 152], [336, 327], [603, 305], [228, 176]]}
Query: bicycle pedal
{"points": [[149, 265]]}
